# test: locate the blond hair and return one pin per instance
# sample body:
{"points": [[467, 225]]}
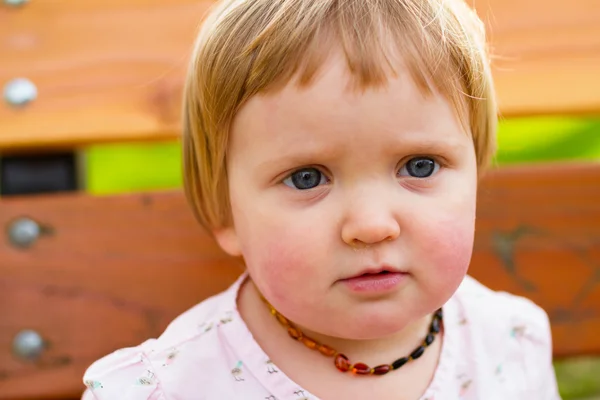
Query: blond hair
{"points": [[247, 47]]}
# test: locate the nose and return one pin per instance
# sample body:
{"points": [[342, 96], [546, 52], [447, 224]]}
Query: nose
{"points": [[369, 220]]}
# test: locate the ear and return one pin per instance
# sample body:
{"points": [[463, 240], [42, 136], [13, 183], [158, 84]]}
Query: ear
{"points": [[228, 240]]}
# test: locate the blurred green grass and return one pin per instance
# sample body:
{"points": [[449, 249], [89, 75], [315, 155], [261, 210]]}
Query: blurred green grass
{"points": [[154, 166], [545, 139], [579, 378], [119, 168]]}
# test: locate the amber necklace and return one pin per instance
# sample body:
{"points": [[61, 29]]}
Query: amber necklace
{"points": [[342, 362]]}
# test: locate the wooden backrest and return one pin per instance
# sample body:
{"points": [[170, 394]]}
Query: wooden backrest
{"points": [[109, 272], [113, 70]]}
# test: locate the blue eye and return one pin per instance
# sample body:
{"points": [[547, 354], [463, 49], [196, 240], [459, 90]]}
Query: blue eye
{"points": [[419, 167], [306, 178]]}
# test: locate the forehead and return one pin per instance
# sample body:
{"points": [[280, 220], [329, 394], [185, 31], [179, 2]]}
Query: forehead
{"points": [[331, 107]]}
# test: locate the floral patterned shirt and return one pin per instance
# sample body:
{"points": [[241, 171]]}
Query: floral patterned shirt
{"points": [[495, 346]]}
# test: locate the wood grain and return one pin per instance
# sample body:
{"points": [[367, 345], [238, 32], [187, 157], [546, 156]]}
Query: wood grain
{"points": [[111, 71], [546, 55], [110, 272], [105, 70], [538, 235]]}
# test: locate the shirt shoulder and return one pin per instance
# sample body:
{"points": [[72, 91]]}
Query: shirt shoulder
{"points": [[508, 339], [138, 373], [499, 311]]}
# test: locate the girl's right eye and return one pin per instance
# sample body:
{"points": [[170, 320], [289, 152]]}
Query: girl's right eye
{"points": [[305, 178]]}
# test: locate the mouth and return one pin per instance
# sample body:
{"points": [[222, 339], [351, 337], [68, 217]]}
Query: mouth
{"points": [[376, 272], [375, 281]]}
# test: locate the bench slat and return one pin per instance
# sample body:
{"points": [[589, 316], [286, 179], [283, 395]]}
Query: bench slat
{"points": [[546, 55], [105, 70], [538, 235]]}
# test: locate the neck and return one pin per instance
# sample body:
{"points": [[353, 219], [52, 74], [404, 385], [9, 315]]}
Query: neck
{"points": [[383, 350]]}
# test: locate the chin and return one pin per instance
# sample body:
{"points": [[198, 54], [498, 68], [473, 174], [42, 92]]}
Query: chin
{"points": [[376, 326], [373, 332]]}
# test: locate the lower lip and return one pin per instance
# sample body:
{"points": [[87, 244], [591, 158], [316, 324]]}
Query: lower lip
{"points": [[376, 283]]}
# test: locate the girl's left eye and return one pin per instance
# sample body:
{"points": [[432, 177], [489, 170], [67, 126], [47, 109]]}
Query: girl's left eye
{"points": [[305, 178], [419, 167]]}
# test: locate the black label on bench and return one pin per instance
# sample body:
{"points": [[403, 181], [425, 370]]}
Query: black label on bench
{"points": [[33, 174]]}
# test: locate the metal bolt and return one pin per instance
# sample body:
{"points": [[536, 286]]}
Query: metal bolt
{"points": [[19, 92], [15, 3], [28, 344], [23, 232]]}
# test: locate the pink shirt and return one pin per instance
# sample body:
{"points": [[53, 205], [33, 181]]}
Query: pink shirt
{"points": [[495, 346]]}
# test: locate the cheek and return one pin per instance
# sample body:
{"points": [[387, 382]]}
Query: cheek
{"points": [[284, 263], [451, 246], [448, 237], [278, 261], [447, 246]]}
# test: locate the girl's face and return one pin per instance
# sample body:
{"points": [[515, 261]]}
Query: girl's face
{"points": [[329, 187]]}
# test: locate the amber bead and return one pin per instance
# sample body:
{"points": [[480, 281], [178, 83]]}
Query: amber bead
{"points": [[435, 326], [429, 339], [295, 333], [400, 362], [342, 363], [282, 320], [418, 352], [326, 350], [361, 369], [382, 369], [308, 342]]}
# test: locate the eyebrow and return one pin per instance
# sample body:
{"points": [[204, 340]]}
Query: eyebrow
{"points": [[440, 145], [293, 160], [322, 155]]}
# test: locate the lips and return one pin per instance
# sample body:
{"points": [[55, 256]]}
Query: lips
{"points": [[377, 271], [375, 281]]}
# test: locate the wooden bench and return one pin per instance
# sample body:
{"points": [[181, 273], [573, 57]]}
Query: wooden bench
{"points": [[83, 272]]}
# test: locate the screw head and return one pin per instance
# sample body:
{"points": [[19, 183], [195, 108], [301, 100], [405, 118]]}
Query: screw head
{"points": [[28, 344], [19, 92], [15, 3], [23, 232]]}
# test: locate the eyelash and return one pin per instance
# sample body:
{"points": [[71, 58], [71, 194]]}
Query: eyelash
{"points": [[438, 166], [307, 168]]}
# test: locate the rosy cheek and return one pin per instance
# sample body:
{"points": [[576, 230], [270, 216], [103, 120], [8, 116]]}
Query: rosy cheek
{"points": [[280, 263], [448, 247]]}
